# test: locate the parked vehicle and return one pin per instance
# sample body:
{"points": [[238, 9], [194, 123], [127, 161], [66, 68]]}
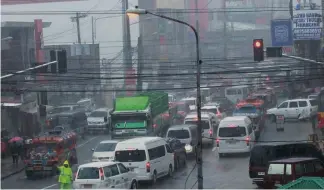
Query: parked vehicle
{"points": [[235, 135], [294, 109], [263, 153], [283, 171], [186, 134], [149, 157], [104, 175], [179, 151]]}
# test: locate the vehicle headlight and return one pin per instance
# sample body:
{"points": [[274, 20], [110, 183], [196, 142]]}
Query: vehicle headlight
{"points": [[188, 148]]}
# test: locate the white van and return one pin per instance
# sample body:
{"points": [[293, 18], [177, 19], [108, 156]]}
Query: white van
{"points": [[149, 157], [186, 134], [209, 124], [235, 135]]}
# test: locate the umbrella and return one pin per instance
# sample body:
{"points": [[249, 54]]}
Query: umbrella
{"points": [[16, 139]]}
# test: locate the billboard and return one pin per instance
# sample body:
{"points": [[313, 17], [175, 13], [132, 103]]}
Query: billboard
{"points": [[307, 19], [17, 2], [281, 33]]}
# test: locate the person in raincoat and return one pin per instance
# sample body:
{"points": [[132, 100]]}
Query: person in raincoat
{"points": [[65, 178]]}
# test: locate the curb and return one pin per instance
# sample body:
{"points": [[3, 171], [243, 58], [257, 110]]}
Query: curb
{"points": [[13, 173]]}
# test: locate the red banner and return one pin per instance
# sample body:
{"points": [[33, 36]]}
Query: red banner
{"points": [[202, 16], [38, 35]]}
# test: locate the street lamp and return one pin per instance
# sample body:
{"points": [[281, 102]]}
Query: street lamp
{"points": [[137, 11]]}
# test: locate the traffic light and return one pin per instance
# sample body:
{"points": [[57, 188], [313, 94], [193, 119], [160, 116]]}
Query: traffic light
{"points": [[62, 61], [258, 50], [53, 58]]}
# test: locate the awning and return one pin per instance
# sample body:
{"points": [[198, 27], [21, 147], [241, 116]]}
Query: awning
{"points": [[11, 104]]}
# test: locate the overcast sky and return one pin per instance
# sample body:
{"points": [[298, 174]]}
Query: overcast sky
{"points": [[63, 31]]}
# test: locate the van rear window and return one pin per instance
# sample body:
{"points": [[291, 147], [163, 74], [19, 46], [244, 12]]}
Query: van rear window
{"points": [[179, 134], [313, 102], [232, 132], [88, 173], [130, 156], [204, 123]]}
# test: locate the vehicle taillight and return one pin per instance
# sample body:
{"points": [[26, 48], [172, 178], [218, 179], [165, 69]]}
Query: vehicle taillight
{"points": [[247, 141], [148, 167], [101, 173], [210, 132], [217, 142], [318, 117], [154, 125]]}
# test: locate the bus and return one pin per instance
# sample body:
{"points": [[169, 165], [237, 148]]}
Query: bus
{"points": [[320, 111], [237, 93]]}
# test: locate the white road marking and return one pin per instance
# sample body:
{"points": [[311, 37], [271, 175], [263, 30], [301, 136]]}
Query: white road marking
{"points": [[81, 145], [214, 149], [49, 186]]}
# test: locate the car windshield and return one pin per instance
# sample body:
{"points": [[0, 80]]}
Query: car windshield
{"points": [[106, 147], [179, 134], [59, 110], [204, 123], [130, 156], [232, 131], [247, 109], [88, 173], [98, 114]]}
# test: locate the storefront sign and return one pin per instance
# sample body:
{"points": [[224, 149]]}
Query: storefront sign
{"points": [[307, 20]]}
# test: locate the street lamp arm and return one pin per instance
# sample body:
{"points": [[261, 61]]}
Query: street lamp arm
{"points": [[176, 20]]}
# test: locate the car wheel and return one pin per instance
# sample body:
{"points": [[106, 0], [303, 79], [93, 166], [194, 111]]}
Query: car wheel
{"points": [[170, 172], [134, 185], [154, 179]]}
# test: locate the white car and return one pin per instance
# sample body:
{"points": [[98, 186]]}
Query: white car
{"points": [[104, 175], [99, 120], [215, 110], [294, 109], [105, 151]]}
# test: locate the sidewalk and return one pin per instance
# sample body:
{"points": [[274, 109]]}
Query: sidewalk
{"points": [[8, 169]]}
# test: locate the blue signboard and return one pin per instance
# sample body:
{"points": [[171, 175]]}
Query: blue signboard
{"points": [[281, 33]]}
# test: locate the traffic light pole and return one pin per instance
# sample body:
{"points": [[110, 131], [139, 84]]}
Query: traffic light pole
{"points": [[28, 70]]}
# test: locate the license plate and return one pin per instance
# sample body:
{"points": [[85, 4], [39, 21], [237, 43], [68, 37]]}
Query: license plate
{"points": [[231, 142], [261, 173], [38, 168], [87, 186]]}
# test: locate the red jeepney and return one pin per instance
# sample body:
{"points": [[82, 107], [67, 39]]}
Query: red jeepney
{"points": [[48, 151]]}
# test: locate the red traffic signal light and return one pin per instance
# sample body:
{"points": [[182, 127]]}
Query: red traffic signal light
{"points": [[257, 44], [258, 50]]}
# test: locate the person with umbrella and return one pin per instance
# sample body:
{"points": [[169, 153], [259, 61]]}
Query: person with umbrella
{"points": [[15, 148]]}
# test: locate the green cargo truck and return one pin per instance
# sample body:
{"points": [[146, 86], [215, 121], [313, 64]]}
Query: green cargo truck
{"points": [[140, 115]]}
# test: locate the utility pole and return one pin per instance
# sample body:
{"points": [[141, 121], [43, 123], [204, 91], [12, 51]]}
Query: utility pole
{"points": [[77, 20], [199, 146], [225, 29], [127, 56], [93, 32], [140, 51]]}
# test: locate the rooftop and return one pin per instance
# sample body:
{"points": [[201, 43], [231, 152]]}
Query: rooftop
{"points": [[20, 24]]}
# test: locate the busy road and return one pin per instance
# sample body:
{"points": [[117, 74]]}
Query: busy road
{"points": [[218, 173]]}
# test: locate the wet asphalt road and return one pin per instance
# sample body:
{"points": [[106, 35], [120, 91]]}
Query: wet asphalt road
{"points": [[230, 172]]}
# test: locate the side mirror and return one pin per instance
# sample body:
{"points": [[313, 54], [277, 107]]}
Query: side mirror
{"points": [[92, 149]]}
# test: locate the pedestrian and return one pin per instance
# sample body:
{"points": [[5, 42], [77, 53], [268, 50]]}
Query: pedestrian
{"points": [[14, 153], [65, 178]]}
